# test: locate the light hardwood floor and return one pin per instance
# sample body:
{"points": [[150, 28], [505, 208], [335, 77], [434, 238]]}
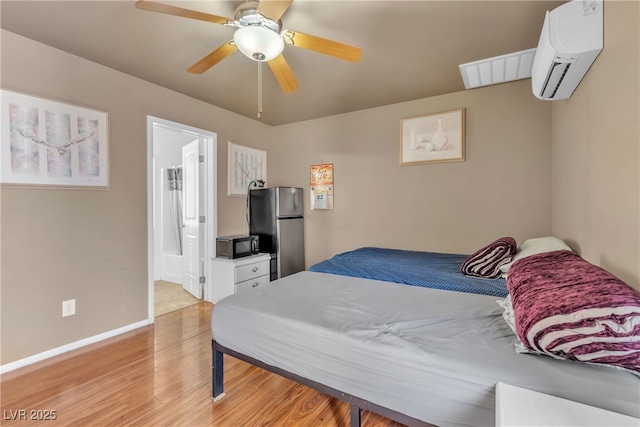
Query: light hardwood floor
{"points": [[160, 375]]}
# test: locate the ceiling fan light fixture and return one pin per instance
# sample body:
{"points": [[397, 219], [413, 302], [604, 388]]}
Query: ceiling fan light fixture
{"points": [[258, 43]]}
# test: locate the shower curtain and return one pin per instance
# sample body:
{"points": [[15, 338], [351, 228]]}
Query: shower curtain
{"points": [[174, 178]]}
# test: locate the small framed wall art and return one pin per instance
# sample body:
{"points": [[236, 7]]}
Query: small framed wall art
{"points": [[433, 138], [52, 144], [245, 165]]}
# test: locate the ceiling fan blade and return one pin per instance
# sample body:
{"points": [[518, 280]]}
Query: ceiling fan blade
{"points": [[213, 58], [273, 9], [178, 11], [283, 74], [318, 44]]}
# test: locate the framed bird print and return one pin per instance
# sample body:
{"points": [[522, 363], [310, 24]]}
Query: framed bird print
{"points": [[246, 166], [47, 143]]}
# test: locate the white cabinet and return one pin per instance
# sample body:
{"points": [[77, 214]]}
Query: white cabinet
{"points": [[231, 276], [516, 406]]}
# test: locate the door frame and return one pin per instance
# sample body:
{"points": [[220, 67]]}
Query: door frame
{"points": [[209, 184]]}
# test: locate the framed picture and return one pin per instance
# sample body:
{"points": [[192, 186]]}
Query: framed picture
{"points": [[48, 143], [434, 138], [245, 165]]}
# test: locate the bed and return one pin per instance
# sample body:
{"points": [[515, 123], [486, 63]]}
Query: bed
{"points": [[426, 269], [419, 356]]}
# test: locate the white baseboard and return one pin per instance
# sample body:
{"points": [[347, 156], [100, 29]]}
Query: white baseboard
{"points": [[72, 346]]}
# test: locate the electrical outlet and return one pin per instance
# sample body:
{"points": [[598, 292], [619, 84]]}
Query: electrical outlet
{"points": [[68, 308]]}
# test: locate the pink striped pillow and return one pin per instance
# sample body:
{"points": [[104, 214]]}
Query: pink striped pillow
{"points": [[486, 262], [570, 309]]}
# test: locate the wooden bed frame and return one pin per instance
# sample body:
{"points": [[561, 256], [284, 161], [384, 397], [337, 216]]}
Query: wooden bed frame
{"points": [[356, 404]]}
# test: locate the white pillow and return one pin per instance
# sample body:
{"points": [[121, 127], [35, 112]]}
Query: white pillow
{"points": [[507, 313], [536, 246]]}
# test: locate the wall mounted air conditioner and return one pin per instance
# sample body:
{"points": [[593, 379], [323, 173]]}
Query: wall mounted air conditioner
{"points": [[570, 41]]}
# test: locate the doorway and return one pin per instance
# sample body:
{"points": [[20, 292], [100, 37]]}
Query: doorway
{"points": [[169, 212]]}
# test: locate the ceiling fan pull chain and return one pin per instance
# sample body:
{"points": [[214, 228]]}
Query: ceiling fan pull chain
{"points": [[259, 88]]}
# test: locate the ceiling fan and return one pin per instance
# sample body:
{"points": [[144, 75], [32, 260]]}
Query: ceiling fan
{"points": [[259, 36]]}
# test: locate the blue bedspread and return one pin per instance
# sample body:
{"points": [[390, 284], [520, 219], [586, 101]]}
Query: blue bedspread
{"points": [[427, 269]]}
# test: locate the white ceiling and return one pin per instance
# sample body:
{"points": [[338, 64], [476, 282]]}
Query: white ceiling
{"points": [[411, 49]]}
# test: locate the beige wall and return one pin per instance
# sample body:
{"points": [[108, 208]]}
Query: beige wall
{"points": [[596, 146], [92, 245], [503, 187]]}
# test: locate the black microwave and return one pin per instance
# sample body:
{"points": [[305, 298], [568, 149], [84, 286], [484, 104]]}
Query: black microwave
{"points": [[236, 246]]}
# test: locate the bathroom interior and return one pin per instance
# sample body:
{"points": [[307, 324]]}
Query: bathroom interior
{"points": [[167, 219]]}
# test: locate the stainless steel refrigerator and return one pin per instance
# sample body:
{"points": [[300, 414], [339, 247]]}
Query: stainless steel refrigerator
{"points": [[276, 216]]}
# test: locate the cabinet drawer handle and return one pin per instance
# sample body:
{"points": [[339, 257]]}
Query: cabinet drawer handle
{"points": [[254, 269], [255, 285]]}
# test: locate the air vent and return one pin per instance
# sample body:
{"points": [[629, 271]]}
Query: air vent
{"points": [[499, 69], [554, 79]]}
